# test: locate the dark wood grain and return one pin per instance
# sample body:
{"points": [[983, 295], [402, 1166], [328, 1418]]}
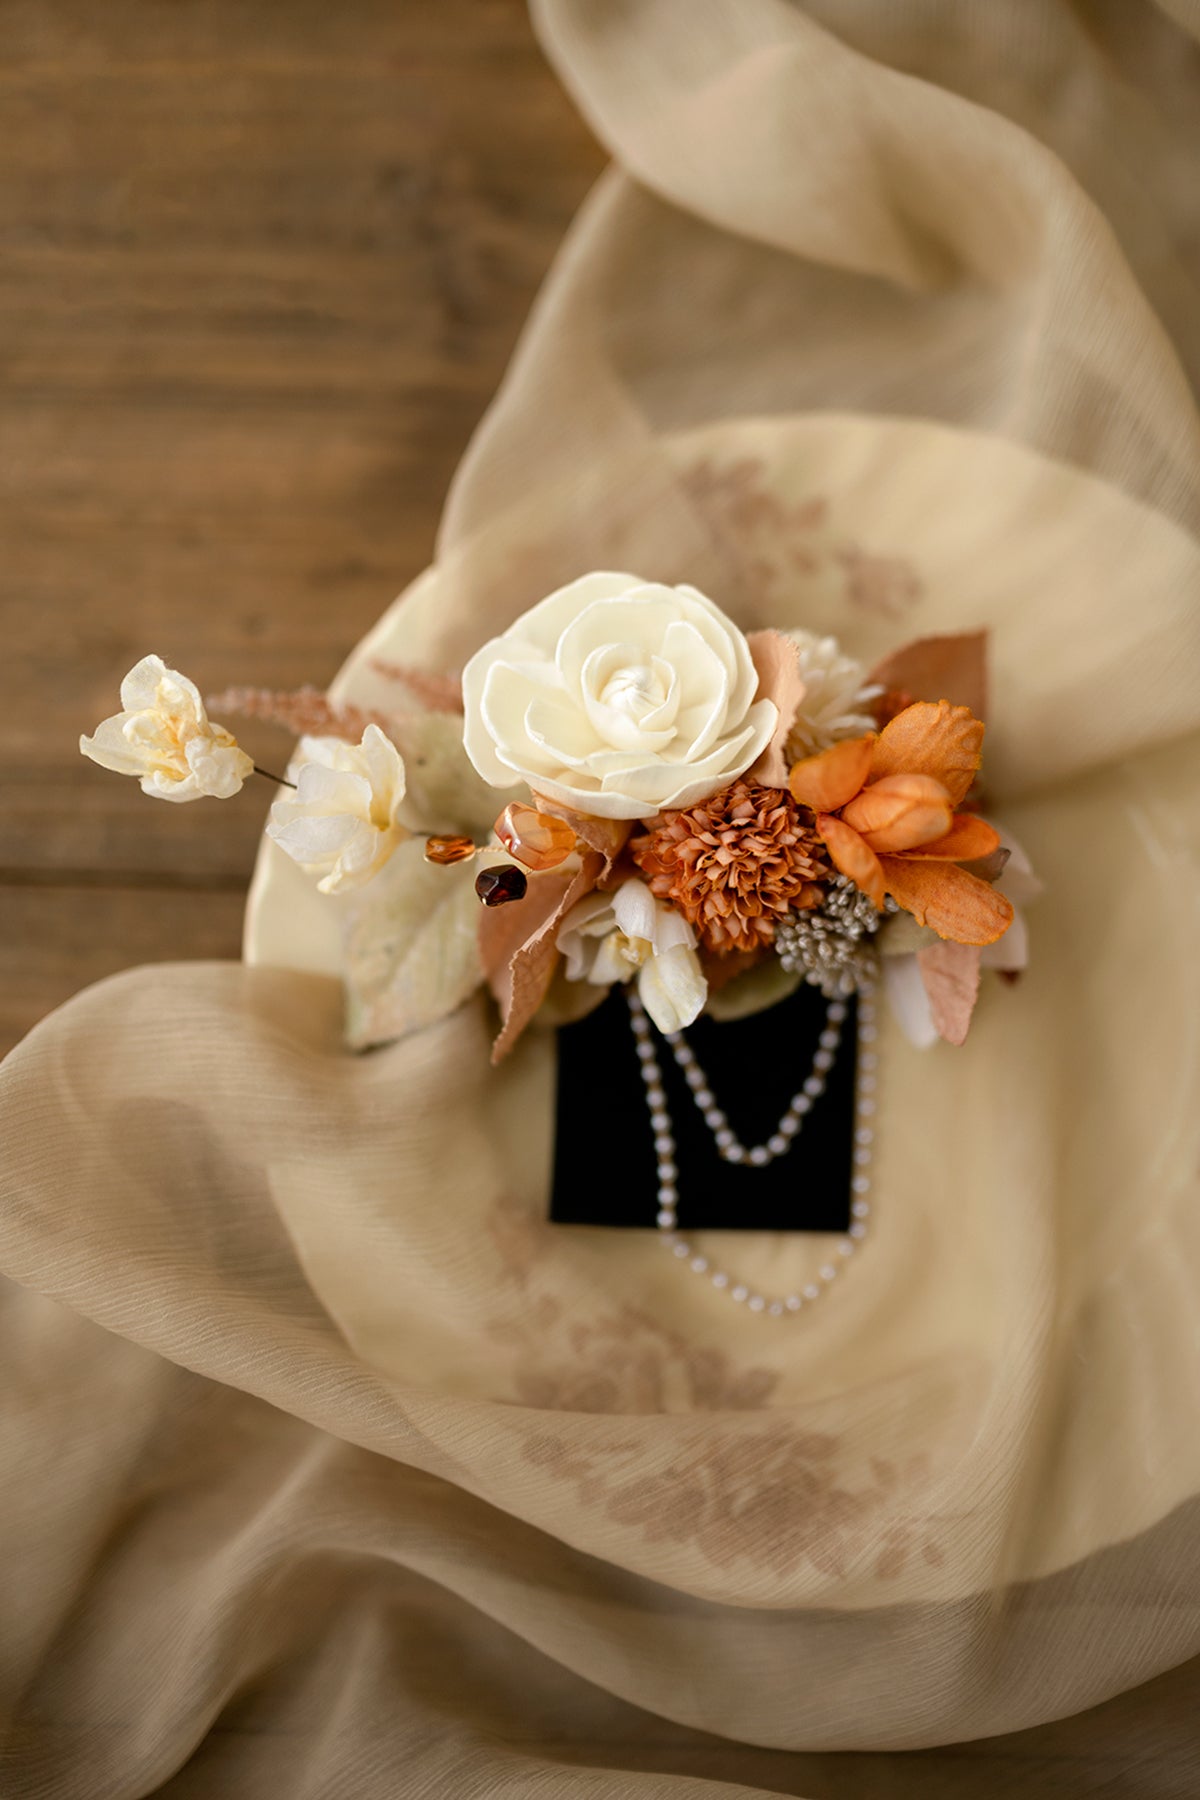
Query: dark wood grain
{"points": [[262, 269]]}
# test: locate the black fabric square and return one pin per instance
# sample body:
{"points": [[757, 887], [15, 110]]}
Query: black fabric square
{"points": [[604, 1160]]}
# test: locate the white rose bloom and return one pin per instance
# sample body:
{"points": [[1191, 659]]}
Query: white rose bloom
{"points": [[164, 737], [343, 824], [616, 697], [628, 933], [834, 697]]}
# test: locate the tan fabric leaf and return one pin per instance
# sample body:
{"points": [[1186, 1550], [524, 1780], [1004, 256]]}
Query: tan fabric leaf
{"points": [[777, 660], [900, 811], [437, 693], [517, 944], [412, 949], [949, 667], [931, 738], [943, 896], [851, 856], [950, 973], [828, 781]]}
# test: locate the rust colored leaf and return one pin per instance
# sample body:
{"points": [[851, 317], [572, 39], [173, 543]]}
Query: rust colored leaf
{"points": [[436, 693], [830, 780], [851, 857], [944, 897], [777, 660], [969, 839], [950, 973], [900, 811], [935, 739], [951, 667]]}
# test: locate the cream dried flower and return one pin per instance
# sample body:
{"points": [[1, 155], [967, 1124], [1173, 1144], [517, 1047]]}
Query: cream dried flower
{"points": [[165, 738], [344, 823], [616, 697], [629, 935], [835, 696]]}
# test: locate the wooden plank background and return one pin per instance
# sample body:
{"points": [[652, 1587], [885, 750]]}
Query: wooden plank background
{"points": [[262, 268]]}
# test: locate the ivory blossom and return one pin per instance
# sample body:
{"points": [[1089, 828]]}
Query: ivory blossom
{"points": [[615, 937], [164, 737], [616, 697], [344, 823]]}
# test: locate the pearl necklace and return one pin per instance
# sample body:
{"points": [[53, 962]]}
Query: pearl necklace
{"points": [[731, 1150]]}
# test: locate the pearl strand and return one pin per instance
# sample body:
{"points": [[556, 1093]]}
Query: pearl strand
{"points": [[729, 1147], [668, 1193]]}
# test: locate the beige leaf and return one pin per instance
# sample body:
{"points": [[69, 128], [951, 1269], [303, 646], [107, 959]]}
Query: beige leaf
{"points": [[412, 948], [445, 794], [777, 660], [951, 976], [950, 667]]}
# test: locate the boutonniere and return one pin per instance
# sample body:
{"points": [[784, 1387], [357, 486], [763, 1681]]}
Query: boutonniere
{"points": [[685, 805]]}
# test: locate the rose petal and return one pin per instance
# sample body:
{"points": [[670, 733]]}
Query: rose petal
{"points": [[900, 811], [852, 857], [950, 973], [777, 660], [829, 781], [944, 897], [931, 739], [951, 667], [969, 839]]}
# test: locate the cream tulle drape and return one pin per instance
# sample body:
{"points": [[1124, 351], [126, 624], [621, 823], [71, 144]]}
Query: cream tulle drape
{"points": [[329, 1468]]}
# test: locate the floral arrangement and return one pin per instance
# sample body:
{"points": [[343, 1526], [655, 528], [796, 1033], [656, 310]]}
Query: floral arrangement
{"points": [[623, 787]]}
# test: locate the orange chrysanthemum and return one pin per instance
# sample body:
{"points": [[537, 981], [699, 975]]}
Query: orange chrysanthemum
{"points": [[884, 809], [733, 864]]}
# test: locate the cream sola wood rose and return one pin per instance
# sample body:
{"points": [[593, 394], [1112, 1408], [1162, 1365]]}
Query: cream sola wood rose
{"points": [[164, 737], [627, 935], [344, 822], [618, 698]]}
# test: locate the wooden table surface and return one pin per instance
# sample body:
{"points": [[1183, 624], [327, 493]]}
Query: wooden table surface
{"points": [[263, 266]]}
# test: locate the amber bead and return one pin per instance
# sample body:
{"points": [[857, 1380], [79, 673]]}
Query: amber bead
{"points": [[449, 849], [538, 840], [500, 884]]}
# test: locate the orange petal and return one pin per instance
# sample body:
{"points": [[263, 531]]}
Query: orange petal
{"points": [[968, 840], [931, 739], [826, 782], [850, 856], [900, 811], [956, 905]]}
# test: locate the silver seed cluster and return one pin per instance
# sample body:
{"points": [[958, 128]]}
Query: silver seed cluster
{"points": [[832, 945]]}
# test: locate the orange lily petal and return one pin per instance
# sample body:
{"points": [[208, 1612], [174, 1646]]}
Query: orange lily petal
{"points": [[850, 856], [956, 905], [900, 811], [931, 739], [827, 781], [969, 839]]}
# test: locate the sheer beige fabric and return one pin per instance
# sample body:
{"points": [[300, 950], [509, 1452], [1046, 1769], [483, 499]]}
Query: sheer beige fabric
{"points": [[330, 1467]]}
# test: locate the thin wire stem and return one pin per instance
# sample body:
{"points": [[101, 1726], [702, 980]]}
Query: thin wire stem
{"points": [[281, 779]]}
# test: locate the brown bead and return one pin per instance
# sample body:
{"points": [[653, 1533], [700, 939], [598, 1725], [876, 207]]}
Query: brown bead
{"points": [[539, 840], [449, 849], [498, 885]]}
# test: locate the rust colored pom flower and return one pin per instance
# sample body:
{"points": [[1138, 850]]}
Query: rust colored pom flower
{"points": [[734, 864]]}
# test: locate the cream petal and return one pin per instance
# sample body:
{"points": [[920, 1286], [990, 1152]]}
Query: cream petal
{"points": [[909, 1001], [635, 909], [672, 988]]}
